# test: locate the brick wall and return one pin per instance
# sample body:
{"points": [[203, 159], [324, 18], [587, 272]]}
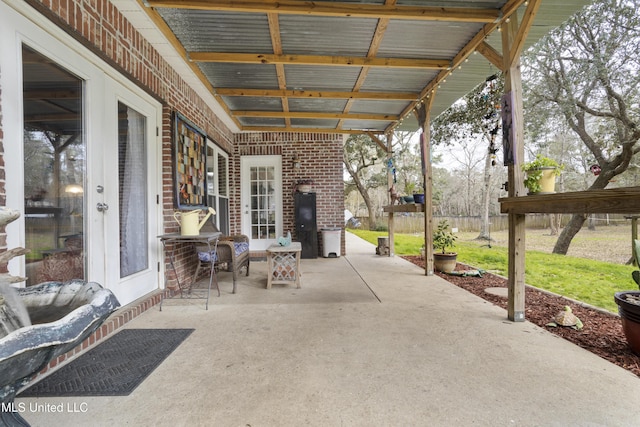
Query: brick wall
{"points": [[99, 26], [320, 158]]}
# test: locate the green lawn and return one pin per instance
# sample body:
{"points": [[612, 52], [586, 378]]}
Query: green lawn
{"points": [[593, 282]]}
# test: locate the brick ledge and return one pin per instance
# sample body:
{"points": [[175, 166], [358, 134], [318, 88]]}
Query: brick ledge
{"points": [[118, 319]]}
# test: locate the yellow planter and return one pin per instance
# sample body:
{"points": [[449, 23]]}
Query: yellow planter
{"points": [[547, 180]]}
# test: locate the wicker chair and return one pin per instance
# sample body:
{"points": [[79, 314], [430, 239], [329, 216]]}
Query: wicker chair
{"points": [[231, 254]]}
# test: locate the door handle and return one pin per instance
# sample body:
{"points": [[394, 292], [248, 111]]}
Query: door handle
{"points": [[102, 207]]}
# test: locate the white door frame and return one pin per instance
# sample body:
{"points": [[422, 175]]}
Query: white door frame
{"points": [[246, 162]]}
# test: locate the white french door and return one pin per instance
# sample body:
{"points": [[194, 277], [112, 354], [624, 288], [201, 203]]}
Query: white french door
{"points": [[261, 187], [126, 199], [86, 174]]}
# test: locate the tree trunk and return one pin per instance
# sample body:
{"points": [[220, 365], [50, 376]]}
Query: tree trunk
{"points": [[555, 220], [372, 212], [577, 220], [367, 201], [568, 233], [485, 233]]}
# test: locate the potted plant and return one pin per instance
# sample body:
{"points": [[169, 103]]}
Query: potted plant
{"points": [[418, 195], [541, 175], [409, 189], [443, 238], [629, 308]]}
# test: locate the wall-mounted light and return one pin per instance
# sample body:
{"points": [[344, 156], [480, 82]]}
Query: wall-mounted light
{"points": [[295, 161], [73, 188]]}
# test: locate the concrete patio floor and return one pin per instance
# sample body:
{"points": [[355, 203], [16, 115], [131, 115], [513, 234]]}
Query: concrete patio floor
{"points": [[367, 341]]}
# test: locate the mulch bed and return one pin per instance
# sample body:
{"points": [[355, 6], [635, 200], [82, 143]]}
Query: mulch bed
{"points": [[602, 333]]}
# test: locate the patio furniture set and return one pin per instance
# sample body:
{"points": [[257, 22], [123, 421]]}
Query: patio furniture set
{"points": [[216, 252]]}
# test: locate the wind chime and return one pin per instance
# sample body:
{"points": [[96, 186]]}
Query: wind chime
{"points": [[492, 114], [392, 169]]}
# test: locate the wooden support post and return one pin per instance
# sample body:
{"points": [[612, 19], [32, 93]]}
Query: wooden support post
{"points": [[428, 200], [514, 156], [516, 284], [390, 182], [423, 115], [391, 231]]}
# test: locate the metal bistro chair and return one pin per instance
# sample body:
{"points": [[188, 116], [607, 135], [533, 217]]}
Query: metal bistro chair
{"points": [[231, 253]]}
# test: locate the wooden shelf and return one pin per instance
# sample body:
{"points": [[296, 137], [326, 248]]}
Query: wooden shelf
{"points": [[407, 207], [616, 200]]}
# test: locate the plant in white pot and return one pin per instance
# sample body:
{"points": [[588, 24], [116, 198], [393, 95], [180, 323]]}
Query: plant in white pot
{"points": [[444, 238], [541, 175]]}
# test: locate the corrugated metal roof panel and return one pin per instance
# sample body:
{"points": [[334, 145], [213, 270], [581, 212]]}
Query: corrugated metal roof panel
{"points": [[314, 123], [253, 103], [313, 77], [252, 76], [321, 35], [425, 39], [261, 121], [378, 107], [203, 30], [372, 125], [397, 80], [317, 104]]}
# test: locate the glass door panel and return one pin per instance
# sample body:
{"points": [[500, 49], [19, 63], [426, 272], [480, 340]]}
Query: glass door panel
{"points": [[261, 199], [132, 180], [54, 170], [263, 206], [217, 185]]}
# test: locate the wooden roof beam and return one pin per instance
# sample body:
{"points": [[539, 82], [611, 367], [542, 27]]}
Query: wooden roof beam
{"points": [[275, 93], [344, 61], [374, 46], [492, 55], [308, 130], [378, 141], [314, 115], [276, 42], [523, 30]]}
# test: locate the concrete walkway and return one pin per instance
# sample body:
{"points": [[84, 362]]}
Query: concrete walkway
{"points": [[367, 341]]}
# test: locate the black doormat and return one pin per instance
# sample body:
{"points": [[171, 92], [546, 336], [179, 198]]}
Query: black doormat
{"points": [[113, 368]]}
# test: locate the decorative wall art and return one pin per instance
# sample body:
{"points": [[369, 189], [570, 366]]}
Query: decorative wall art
{"points": [[190, 157]]}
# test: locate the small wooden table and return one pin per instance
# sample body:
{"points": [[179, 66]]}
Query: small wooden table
{"points": [[284, 264]]}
